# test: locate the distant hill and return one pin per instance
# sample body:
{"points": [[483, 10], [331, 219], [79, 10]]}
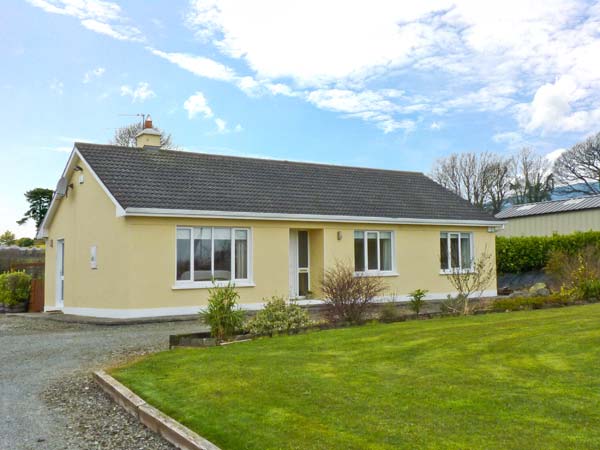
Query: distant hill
{"points": [[559, 193]]}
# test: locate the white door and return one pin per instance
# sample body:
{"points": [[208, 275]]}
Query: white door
{"points": [[299, 264], [60, 273]]}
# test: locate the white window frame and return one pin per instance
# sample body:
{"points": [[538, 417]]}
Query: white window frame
{"points": [[377, 272], [462, 269], [238, 282]]}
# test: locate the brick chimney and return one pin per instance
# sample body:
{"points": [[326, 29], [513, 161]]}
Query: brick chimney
{"points": [[149, 136]]}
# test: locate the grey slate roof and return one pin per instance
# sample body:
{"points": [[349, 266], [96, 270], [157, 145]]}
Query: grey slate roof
{"points": [[140, 178], [556, 206]]}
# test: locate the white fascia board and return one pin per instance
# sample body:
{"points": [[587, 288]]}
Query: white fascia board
{"points": [[188, 213], [43, 231]]}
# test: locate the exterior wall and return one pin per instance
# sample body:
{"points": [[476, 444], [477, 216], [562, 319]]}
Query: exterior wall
{"points": [[86, 217], [136, 257], [548, 224]]}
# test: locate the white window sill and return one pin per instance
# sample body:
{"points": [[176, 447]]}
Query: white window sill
{"points": [[376, 274], [450, 272], [209, 284]]}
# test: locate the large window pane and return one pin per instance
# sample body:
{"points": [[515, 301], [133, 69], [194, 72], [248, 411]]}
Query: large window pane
{"points": [[241, 254], [303, 249], [372, 251], [465, 250], [454, 261], [183, 254], [444, 251], [385, 250], [222, 253], [359, 251], [202, 254]]}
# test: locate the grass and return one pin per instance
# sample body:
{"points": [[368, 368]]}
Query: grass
{"points": [[519, 380]]}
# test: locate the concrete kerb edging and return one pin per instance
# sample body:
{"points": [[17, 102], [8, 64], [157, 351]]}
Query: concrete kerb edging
{"points": [[171, 430]]}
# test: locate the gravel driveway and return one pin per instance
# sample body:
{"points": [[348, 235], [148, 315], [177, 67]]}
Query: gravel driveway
{"points": [[47, 397]]}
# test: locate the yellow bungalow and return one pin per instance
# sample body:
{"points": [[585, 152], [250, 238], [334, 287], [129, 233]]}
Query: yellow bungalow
{"points": [[142, 231]]}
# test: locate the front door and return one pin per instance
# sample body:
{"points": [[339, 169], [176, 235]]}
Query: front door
{"points": [[299, 264], [60, 273]]}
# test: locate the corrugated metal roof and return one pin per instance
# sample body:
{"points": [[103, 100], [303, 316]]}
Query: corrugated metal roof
{"points": [[557, 206]]}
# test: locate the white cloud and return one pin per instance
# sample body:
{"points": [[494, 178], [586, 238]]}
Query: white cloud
{"points": [[198, 65], [138, 94], [435, 126], [512, 138], [197, 104], [94, 73], [57, 86], [508, 57], [555, 154], [238, 128], [221, 125], [100, 16]]}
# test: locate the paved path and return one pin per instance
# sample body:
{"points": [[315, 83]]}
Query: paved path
{"points": [[37, 355]]}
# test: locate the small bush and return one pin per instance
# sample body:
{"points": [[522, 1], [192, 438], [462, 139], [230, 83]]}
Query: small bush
{"points": [[417, 300], [222, 314], [347, 295], [526, 303], [14, 288], [577, 274], [388, 312], [279, 317]]}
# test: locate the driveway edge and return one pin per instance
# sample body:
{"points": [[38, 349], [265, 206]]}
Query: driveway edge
{"points": [[171, 430]]}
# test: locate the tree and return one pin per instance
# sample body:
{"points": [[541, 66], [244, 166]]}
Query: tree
{"points": [[480, 178], [39, 200], [25, 242], [579, 167], [532, 179], [125, 136], [7, 238]]}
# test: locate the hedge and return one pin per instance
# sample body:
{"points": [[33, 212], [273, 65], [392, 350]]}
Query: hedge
{"points": [[523, 254]]}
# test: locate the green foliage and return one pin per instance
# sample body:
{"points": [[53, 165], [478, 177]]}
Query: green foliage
{"points": [[417, 300], [578, 274], [388, 312], [522, 303], [14, 288], [222, 314], [523, 254], [25, 242], [7, 238], [279, 317], [39, 200]]}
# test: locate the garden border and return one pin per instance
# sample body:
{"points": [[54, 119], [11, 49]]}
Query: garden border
{"points": [[171, 430]]}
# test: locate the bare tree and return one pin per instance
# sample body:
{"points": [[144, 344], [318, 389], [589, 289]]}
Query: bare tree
{"points": [[532, 179], [498, 173], [470, 283], [579, 167], [125, 136], [480, 178]]}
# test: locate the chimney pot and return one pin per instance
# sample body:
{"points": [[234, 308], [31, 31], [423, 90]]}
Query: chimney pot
{"points": [[148, 122]]}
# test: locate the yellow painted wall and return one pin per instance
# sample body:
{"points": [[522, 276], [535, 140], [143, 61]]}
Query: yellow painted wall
{"points": [[136, 255], [549, 224], [86, 217]]}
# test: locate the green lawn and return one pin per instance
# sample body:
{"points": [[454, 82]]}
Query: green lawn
{"points": [[516, 380]]}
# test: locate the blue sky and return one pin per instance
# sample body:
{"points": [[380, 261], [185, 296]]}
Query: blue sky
{"points": [[373, 83]]}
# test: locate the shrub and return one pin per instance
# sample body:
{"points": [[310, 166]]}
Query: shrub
{"points": [[523, 254], [279, 317], [388, 312], [348, 296], [524, 303], [222, 314], [417, 300], [14, 288], [578, 274]]}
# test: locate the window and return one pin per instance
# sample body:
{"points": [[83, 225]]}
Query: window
{"points": [[210, 253], [373, 251], [456, 251]]}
